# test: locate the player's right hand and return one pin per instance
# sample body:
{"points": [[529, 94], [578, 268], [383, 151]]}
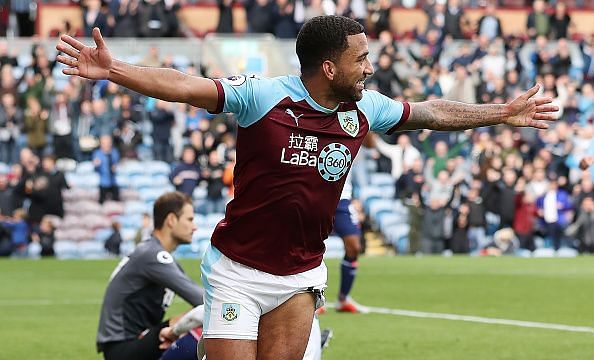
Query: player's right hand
{"points": [[85, 61]]}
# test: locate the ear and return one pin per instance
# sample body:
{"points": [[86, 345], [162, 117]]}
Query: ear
{"points": [[329, 69], [170, 219]]}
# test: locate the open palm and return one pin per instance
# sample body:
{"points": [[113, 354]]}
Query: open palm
{"points": [[85, 61], [526, 111]]}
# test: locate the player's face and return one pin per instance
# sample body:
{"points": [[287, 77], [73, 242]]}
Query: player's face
{"points": [[184, 227], [353, 68]]}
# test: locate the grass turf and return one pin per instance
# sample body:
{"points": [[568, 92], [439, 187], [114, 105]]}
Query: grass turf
{"points": [[49, 309]]}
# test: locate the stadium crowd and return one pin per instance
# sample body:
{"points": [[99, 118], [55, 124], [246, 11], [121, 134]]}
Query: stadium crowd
{"points": [[492, 190]]}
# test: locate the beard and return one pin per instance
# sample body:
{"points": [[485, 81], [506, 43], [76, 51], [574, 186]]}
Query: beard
{"points": [[345, 90]]}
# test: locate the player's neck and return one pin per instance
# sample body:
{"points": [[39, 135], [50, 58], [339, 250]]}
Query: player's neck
{"points": [[165, 239], [320, 92]]}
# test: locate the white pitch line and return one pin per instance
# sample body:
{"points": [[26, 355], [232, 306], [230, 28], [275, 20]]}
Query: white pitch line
{"points": [[479, 319]]}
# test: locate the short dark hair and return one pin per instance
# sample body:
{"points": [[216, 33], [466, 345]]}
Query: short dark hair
{"points": [[171, 202], [324, 38]]}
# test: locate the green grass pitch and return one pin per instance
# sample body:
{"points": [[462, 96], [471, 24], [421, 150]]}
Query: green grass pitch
{"points": [[49, 309]]}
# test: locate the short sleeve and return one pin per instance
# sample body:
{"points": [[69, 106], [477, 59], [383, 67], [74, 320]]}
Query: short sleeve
{"points": [[383, 114], [249, 98]]}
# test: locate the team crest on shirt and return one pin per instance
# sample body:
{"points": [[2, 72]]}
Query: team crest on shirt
{"points": [[349, 122], [230, 311]]}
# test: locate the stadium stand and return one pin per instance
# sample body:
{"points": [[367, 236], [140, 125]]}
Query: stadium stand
{"points": [[416, 59]]}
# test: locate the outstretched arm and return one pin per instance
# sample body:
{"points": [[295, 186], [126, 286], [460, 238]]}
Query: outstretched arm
{"points": [[524, 111], [161, 83]]}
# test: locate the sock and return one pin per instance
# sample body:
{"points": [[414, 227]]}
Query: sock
{"points": [[348, 271]]}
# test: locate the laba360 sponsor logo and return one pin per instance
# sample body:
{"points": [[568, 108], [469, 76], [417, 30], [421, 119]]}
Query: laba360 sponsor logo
{"points": [[332, 163]]}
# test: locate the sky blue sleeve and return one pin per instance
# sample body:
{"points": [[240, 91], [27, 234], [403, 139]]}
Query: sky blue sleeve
{"points": [[249, 98], [383, 114]]}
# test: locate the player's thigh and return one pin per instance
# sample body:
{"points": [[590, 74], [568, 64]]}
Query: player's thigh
{"points": [[228, 349], [284, 331]]}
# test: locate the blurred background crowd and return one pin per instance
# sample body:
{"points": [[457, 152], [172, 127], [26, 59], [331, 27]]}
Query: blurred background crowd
{"points": [[489, 191]]}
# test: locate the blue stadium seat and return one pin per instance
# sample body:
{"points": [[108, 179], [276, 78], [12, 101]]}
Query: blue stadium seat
{"points": [[4, 168], [378, 205], [85, 168], [130, 220], [66, 250], [131, 168], [141, 181], [199, 193], [386, 219], [157, 168], [380, 179], [135, 207], [127, 247], [102, 234], [201, 234], [213, 219], [91, 250], [397, 235]]}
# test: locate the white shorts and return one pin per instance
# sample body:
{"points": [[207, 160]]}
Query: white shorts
{"points": [[237, 295]]}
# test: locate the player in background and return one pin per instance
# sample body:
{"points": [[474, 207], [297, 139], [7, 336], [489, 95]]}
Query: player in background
{"points": [[144, 284], [264, 273], [347, 226]]}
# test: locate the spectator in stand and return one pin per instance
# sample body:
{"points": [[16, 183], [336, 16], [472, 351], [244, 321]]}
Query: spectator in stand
{"points": [[162, 118], [560, 22], [285, 26], [26, 14], [94, 15], [260, 16], [380, 15], [489, 24], [56, 183], [126, 19], [19, 231], [44, 236], [215, 202], [441, 153], [60, 119], [113, 242], [583, 227], [402, 155], [225, 24], [6, 196], [152, 19], [587, 48], [476, 232], [525, 217], [411, 182], [102, 124], [454, 16], [384, 79], [460, 241], [145, 231], [538, 23], [11, 123], [36, 125], [554, 209], [186, 175], [105, 160]]}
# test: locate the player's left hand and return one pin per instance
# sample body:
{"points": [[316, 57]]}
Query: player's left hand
{"points": [[166, 337], [527, 111]]}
